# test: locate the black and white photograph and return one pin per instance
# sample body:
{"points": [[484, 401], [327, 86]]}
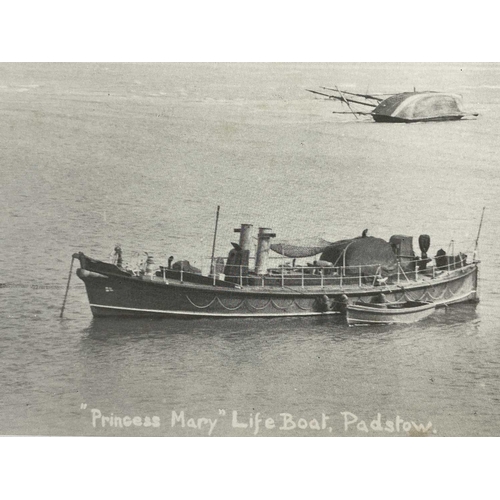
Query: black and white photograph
{"points": [[289, 249], [248, 247]]}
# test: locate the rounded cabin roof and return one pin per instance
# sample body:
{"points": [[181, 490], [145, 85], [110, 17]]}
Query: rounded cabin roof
{"points": [[368, 251], [410, 106]]}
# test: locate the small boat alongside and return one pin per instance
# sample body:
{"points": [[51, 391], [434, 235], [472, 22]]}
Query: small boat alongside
{"points": [[246, 284], [383, 313]]}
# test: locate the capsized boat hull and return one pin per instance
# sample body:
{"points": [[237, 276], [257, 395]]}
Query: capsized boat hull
{"points": [[388, 314], [112, 292], [409, 107]]}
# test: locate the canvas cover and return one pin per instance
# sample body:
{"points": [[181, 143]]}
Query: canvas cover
{"points": [[186, 267], [305, 247], [420, 105], [369, 252]]}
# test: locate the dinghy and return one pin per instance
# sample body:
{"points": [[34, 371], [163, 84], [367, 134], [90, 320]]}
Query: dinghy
{"points": [[383, 313]]}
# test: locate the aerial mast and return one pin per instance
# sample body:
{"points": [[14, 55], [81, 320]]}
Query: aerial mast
{"points": [[478, 233], [212, 270]]}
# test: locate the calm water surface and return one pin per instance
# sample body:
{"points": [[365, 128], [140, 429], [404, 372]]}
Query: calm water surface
{"points": [[92, 155]]}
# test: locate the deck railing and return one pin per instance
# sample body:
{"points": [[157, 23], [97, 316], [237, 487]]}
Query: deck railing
{"points": [[342, 276], [408, 269]]}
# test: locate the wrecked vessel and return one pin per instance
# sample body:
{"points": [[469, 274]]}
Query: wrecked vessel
{"points": [[404, 107]]}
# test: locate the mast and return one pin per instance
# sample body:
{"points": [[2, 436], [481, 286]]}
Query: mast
{"points": [[366, 96], [347, 102], [478, 233], [342, 99], [212, 270]]}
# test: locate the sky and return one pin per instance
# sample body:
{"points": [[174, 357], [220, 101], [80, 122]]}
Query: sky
{"points": [[254, 31]]}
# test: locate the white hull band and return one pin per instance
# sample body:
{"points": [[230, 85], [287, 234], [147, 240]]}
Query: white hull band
{"points": [[216, 315]]}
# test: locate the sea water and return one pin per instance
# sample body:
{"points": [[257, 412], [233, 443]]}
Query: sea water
{"points": [[141, 154]]}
